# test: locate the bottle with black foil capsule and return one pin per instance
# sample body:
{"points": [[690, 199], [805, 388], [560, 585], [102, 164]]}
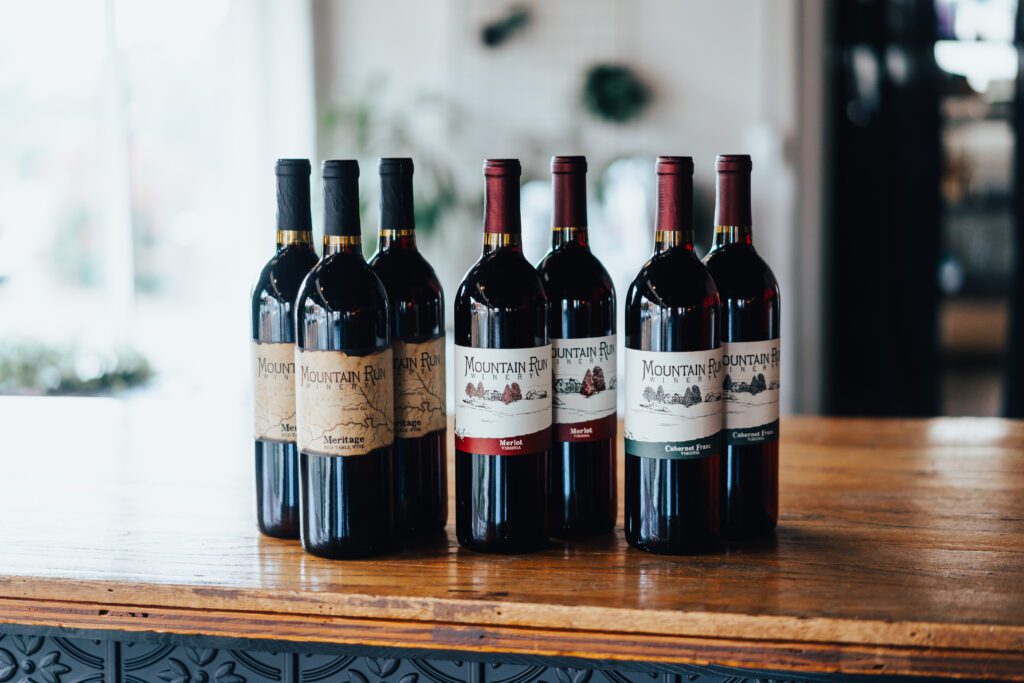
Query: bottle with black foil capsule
{"points": [[750, 338], [673, 383], [417, 330], [273, 354], [344, 390], [582, 480], [502, 383]]}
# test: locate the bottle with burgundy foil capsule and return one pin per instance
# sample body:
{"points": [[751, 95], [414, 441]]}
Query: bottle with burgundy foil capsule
{"points": [[502, 380], [582, 481], [750, 338], [344, 390], [673, 383], [417, 330], [273, 353]]}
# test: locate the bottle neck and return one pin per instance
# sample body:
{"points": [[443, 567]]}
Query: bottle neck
{"points": [[569, 236], [396, 239], [502, 224], [293, 211], [288, 238], [397, 220], [732, 208], [731, 234], [570, 210], [670, 239], [502, 241], [674, 219], [343, 244]]}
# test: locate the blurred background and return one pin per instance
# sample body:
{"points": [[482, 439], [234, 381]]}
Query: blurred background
{"points": [[138, 139]]}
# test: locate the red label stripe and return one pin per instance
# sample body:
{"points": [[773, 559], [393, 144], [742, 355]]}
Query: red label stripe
{"points": [[591, 430], [506, 445]]}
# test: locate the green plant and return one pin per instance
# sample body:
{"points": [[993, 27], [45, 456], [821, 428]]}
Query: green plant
{"points": [[365, 129], [614, 93], [38, 369]]}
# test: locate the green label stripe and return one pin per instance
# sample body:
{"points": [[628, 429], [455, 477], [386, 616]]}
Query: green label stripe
{"points": [[675, 450], [752, 435]]}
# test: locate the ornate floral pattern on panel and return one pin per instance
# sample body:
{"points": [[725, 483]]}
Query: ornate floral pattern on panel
{"points": [[48, 659]]}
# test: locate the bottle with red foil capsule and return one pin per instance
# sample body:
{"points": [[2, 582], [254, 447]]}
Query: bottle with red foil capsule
{"points": [[751, 340], [502, 383], [582, 499], [417, 317], [344, 394], [673, 383]]}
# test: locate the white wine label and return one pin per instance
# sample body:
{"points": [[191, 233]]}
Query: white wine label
{"points": [[673, 403], [345, 403], [751, 391], [503, 405], [419, 388], [585, 388], [273, 391]]}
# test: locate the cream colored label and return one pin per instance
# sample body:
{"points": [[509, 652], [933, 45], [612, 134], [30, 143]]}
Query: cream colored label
{"points": [[345, 403], [273, 391], [419, 388]]}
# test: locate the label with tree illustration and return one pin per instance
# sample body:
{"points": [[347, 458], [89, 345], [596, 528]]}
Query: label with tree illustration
{"points": [[345, 403], [273, 391], [674, 403], [585, 388], [751, 391], [419, 388], [503, 401]]}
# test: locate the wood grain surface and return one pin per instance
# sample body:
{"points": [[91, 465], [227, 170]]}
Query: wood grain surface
{"points": [[900, 551]]}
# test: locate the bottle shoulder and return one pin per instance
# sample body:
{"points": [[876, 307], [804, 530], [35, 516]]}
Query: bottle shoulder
{"points": [[675, 278], [406, 275], [740, 272], [281, 276], [502, 279], [342, 281], [574, 274]]}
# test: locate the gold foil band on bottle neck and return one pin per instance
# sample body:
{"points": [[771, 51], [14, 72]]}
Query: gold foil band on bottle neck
{"points": [[731, 233], [672, 237], [342, 241], [502, 239], [286, 237], [569, 230], [396, 233]]}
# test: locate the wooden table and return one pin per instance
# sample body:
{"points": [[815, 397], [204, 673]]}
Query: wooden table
{"points": [[128, 552]]}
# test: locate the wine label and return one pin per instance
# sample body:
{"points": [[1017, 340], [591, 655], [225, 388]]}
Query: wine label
{"points": [[503, 405], [345, 403], [751, 391], [585, 388], [673, 403], [419, 388], [273, 391]]}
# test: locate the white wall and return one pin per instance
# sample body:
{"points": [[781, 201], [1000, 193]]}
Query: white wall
{"points": [[726, 79]]}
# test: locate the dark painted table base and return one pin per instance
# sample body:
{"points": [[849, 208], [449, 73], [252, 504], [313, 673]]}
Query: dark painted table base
{"points": [[35, 655]]}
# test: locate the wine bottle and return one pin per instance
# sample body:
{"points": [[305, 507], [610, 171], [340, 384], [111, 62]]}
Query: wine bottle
{"points": [[273, 354], [502, 382], [344, 394], [582, 481], [673, 393], [417, 330], [750, 338]]}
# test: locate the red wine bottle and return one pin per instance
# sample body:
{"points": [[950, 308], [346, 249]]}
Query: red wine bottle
{"points": [[417, 330], [344, 394], [273, 353], [502, 383], [582, 482], [750, 338], [673, 396]]}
